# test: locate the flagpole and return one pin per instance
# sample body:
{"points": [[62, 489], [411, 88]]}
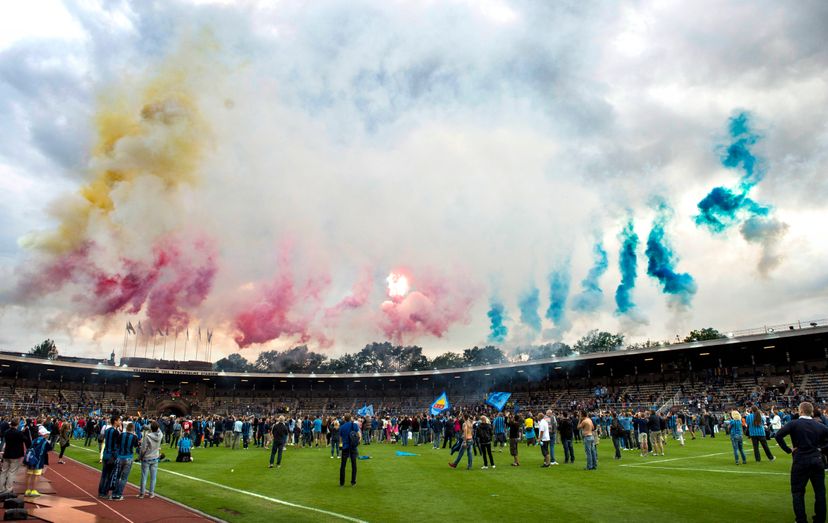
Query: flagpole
{"points": [[146, 345], [154, 343], [124, 351], [135, 348], [175, 343], [164, 351], [185, 345]]}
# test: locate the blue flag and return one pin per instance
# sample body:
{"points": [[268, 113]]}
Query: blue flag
{"points": [[498, 399], [96, 412], [366, 411], [440, 404]]}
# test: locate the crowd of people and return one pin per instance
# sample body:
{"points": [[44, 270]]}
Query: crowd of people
{"points": [[467, 433]]}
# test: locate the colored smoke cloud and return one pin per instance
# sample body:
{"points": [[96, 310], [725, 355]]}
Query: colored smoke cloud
{"points": [[529, 305], [723, 208], [627, 265], [559, 281], [661, 261], [497, 330], [591, 295]]}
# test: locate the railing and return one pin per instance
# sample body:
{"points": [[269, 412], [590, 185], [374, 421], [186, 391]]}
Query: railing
{"points": [[769, 329]]}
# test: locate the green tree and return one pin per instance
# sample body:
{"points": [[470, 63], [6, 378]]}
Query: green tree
{"points": [[344, 364], [448, 360], [297, 359], [46, 350], [707, 333], [599, 341], [233, 363], [488, 355], [547, 350]]}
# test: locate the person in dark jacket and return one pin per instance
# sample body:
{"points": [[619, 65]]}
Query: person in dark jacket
{"points": [[484, 440], [349, 451], [808, 437], [16, 443], [109, 457], [565, 429], [280, 436]]}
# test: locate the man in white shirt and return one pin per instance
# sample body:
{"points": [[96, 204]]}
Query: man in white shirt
{"points": [[543, 435], [776, 423], [237, 430]]}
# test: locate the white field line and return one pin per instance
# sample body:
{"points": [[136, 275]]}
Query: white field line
{"points": [[659, 461], [722, 471], [259, 496]]}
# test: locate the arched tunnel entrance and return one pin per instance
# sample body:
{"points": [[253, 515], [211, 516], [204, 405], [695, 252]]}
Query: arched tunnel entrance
{"points": [[177, 408]]}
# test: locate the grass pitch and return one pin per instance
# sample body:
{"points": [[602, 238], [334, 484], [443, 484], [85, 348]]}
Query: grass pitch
{"points": [[698, 482]]}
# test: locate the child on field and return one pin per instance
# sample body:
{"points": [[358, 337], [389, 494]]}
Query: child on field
{"points": [[36, 459]]}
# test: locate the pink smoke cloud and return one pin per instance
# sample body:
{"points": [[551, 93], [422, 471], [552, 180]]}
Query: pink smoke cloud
{"points": [[432, 308], [177, 280], [358, 297]]}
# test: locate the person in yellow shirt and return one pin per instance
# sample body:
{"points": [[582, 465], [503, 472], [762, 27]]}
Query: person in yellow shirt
{"points": [[529, 430]]}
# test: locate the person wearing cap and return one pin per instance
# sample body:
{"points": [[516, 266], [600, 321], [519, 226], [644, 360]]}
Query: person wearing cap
{"points": [[36, 459]]}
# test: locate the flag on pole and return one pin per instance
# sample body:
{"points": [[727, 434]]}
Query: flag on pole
{"points": [[140, 329], [498, 399], [160, 332], [209, 336], [188, 333], [130, 328], [366, 411], [168, 332], [199, 333], [440, 404]]}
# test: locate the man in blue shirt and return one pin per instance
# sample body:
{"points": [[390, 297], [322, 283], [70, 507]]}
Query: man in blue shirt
{"points": [[127, 444], [109, 457], [499, 425], [349, 451]]}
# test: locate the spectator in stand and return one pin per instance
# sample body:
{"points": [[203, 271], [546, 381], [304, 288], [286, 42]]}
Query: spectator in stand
{"points": [[734, 427], [565, 428], [756, 430], [16, 443], [280, 437], [150, 455], [807, 437]]}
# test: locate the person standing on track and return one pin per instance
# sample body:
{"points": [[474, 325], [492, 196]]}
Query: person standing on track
{"points": [[349, 435], [16, 442], [125, 449], [150, 454], [65, 434], [808, 436], [36, 460], [109, 456]]}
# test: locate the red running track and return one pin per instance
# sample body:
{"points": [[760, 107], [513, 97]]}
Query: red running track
{"points": [[75, 488]]}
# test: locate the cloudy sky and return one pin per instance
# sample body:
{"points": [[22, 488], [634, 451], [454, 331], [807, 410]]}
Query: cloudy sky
{"points": [[441, 173]]}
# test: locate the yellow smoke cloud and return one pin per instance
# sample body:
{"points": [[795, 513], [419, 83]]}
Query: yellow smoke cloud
{"points": [[154, 129]]}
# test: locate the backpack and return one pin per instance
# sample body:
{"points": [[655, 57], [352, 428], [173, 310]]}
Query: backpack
{"points": [[353, 438], [32, 455]]}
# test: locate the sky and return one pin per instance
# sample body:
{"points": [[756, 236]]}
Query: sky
{"points": [[445, 174]]}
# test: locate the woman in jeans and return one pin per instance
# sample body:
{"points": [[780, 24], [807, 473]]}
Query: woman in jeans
{"points": [[150, 454], [735, 427], [756, 430], [63, 439], [484, 439]]}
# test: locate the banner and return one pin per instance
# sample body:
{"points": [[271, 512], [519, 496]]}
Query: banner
{"points": [[366, 411], [498, 399], [440, 404]]}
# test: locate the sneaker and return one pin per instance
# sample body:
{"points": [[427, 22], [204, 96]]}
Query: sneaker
{"points": [[101, 497], [28, 492], [270, 466], [152, 495], [773, 458], [494, 467], [484, 467], [33, 493], [61, 462], [119, 498], [554, 462], [140, 496], [452, 465]]}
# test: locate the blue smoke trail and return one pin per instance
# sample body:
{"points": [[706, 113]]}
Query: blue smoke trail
{"points": [[661, 261], [724, 207], [558, 293], [496, 314], [529, 304], [627, 261], [591, 296]]}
